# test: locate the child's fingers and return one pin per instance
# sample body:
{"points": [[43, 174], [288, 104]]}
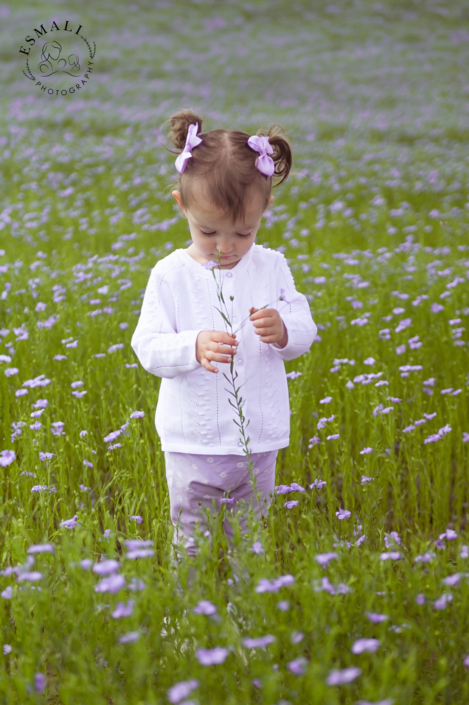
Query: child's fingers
{"points": [[214, 356], [205, 363]]}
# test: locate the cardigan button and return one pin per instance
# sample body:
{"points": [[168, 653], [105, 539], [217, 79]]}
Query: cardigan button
{"points": [[229, 274]]}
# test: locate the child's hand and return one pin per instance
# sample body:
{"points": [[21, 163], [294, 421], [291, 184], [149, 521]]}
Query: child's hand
{"points": [[269, 325], [209, 348]]}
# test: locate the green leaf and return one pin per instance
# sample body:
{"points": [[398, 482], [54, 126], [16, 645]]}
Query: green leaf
{"points": [[223, 315]]}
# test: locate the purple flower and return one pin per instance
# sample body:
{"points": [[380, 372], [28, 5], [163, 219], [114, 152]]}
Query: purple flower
{"points": [[136, 584], [466, 661], [7, 457], [449, 534], [69, 523], [326, 400], [425, 558], [205, 607], [7, 594], [227, 500], [137, 543], [322, 422], [112, 436], [209, 265], [324, 558], [112, 584], [420, 599], [347, 675], [376, 618], [57, 428], [256, 548], [291, 503], [123, 610], [39, 682], [318, 483], [343, 514], [259, 641], [131, 636], [274, 586], [393, 536], [41, 548], [140, 553], [211, 657], [441, 603], [333, 437], [366, 451], [366, 479], [297, 666], [362, 645], [181, 690], [283, 605], [293, 375], [295, 487], [137, 414], [393, 555], [137, 519], [452, 579], [283, 297], [106, 567], [283, 489], [29, 576], [46, 456]]}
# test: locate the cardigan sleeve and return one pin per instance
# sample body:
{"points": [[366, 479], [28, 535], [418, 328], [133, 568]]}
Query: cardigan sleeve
{"points": [[161, 350], [296, 316]]}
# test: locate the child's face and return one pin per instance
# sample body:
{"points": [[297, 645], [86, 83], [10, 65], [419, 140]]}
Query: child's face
{"points": [[232, 240]]}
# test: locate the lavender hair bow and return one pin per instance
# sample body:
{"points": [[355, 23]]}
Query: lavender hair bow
{"points": [[264, 163], [191, 141]]}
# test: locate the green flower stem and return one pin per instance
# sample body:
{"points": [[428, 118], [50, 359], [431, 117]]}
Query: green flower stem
{"points": [[242, 425]]}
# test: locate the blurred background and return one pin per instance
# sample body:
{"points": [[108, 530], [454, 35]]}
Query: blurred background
{"points": [[372, 95]]}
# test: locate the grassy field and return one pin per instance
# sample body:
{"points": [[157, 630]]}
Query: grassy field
{"points": [[357, 589]]}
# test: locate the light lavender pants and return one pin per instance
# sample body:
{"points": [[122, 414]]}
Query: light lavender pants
{"points": [[194, 478]]}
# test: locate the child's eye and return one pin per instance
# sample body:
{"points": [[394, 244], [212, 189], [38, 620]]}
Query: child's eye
{"points": [[240, 234]]}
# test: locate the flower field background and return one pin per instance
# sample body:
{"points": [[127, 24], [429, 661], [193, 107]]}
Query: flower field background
{"points": [[357, 591]]}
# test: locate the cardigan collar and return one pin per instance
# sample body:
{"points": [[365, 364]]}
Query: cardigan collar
{"points": [[239, 269]]}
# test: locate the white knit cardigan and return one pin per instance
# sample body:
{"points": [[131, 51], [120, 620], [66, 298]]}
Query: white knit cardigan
{"points": [[193, 414]]}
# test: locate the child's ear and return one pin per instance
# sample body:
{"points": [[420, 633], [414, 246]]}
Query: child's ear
{"points": [[177, 196]]}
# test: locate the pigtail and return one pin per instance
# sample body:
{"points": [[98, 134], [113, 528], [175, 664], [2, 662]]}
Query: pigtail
{"points": [[282, 155], [180, 127]]}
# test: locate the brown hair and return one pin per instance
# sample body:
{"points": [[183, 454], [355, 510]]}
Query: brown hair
{"points": [[227, 164]]}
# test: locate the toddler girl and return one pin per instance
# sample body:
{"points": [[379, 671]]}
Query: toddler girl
{"points": [[224, 187]]}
